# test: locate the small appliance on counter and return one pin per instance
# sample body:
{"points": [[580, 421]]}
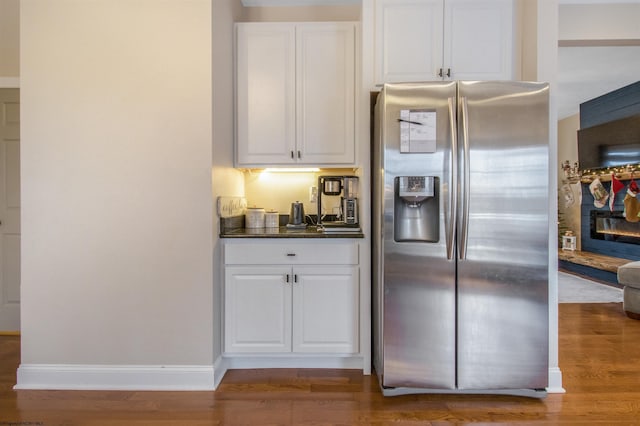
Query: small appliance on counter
{"points": [[296, 216], [271, 219], [340, 192], [254, 218]]}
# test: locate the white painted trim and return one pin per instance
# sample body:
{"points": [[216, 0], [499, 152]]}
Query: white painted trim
{"points": [[116, 377], [244, 362], [220, 367], [555, 381], [265, 3], [9, 82]]}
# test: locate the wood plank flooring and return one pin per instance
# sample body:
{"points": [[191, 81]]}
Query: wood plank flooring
{"points": [[599, 358]]}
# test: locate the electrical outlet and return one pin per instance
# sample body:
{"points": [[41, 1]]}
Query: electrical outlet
{"points": [[313, 194]]}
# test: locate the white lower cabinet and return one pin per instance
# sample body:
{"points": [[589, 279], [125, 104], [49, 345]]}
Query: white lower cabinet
{"points": [[325, 309], [257, 309], [310, 308]]}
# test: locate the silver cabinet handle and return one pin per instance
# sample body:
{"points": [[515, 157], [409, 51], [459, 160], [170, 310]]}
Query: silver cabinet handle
{"points": [[442, 74]]}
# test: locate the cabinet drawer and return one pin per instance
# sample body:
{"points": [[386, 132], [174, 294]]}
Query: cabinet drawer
{"points": [[258, 253]]}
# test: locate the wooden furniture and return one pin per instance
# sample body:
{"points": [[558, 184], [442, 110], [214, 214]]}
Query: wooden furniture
{"points": [[295, 94]]}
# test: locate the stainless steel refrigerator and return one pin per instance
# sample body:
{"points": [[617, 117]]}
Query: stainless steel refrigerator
{"points": [[460, 237]]}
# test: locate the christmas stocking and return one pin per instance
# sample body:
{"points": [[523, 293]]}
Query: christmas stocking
{"points": [[616, 186], [631, 204], [600, 194]]}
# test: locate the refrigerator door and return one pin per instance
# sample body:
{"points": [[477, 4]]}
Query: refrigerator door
{"points": [[415, 305], [503, 235]]}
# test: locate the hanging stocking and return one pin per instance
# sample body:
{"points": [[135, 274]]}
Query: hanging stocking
{"points": [[567, 192], [616, 186], [631, 203], [600, 195]]}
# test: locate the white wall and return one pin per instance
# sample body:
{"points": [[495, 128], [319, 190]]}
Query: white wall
{"points": [[599, 21], [116, 175], [568, 150], [547, 69], [227, 181]]}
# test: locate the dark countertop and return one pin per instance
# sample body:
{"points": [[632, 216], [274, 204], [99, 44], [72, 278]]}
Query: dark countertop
{"points": [[234, 228], [284, 232]]}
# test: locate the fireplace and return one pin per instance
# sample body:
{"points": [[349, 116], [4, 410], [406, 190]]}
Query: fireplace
{"points": [[607, 240], [607, 232], [612, 226]]}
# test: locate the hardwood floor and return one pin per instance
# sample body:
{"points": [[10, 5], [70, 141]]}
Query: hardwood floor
{"points": [[599, 358]]}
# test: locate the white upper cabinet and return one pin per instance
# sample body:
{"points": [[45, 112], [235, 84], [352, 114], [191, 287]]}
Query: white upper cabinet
{"points": [[295, 94], [478, 39], [426, 40], [265, 93], [408, 45]]}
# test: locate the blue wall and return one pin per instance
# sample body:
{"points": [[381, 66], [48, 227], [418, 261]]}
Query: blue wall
{"points": [[615, 105]]}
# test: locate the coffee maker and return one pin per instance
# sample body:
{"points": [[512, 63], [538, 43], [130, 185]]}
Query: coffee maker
{"points": [[340, 194]]}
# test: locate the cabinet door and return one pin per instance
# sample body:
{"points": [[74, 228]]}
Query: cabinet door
{"points": [[265, 94], [257, 309], [326, 309], [478, 39], [408, 44], [325, 56]]}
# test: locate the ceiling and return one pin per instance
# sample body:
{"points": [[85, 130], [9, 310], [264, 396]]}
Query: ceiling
{"points": [[585, 73], [597, 66]]}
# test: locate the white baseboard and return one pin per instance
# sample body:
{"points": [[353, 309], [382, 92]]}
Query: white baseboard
{"points": [[555, 381], [220, 367], [116, 377], [233, 362], [238, 362]]}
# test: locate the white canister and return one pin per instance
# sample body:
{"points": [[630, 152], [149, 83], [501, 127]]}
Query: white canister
{"points": [[254, 217], [271, 219]]}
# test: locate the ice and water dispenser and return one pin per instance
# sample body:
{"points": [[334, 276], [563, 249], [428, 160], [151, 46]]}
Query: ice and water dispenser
{"points": [[416, 209]]}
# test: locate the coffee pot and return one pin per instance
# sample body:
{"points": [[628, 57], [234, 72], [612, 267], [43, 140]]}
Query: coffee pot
{"points": [[296, 214], [338, 194]]}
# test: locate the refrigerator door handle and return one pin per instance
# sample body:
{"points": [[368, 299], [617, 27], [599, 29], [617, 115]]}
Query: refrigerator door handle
{"points": [[464, 177], [453, 181]]}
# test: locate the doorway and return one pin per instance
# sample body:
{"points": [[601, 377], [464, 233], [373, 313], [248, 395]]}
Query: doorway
{"points": [[9, 211]]}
